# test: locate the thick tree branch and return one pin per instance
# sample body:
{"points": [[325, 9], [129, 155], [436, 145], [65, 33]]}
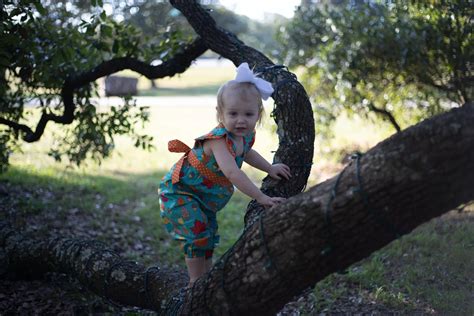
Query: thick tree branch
{"points": [[99, 268], [397, 185], [177, 64]]}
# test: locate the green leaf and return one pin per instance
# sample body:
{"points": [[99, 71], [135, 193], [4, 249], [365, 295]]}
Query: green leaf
{"points": [[90, 29], [4, 62], [115, 46], [40, 7], [106, 30]]}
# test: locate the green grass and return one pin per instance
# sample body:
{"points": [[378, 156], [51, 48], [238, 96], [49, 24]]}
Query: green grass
{"points": [[135, 194], [195, 81], [428, 270], [186, 91]]}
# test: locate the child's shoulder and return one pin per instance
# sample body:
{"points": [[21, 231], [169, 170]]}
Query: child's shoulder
{"points": [[217, 132]]}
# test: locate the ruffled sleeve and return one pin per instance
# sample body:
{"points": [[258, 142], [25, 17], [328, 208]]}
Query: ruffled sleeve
{"points": [[218, 132]]}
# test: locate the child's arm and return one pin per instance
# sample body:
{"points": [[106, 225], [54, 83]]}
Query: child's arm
{"points": [[254, 159], [238, 178]]}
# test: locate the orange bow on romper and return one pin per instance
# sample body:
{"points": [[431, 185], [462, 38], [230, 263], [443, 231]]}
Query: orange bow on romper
{"points": [[178, 146]]}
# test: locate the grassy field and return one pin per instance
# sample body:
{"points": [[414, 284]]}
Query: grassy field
{"points": [[428, 271], [205, 79]]}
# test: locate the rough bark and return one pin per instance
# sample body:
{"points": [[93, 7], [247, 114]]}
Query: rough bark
{"points": [[99, 268], [411, 177]]}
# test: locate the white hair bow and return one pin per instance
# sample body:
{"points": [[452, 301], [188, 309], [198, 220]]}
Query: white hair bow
{"points": [[244, 74]]}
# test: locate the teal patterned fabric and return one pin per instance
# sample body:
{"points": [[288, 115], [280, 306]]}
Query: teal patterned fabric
{"points": [[188, 208]]}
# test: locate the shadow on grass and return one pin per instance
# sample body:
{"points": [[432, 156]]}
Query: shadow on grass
{"points": [[115, 188], [186, 91], [53, 189], [114, 207]]}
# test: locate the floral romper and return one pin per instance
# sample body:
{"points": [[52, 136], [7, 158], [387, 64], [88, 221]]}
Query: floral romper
{"points": [[194, 190]]}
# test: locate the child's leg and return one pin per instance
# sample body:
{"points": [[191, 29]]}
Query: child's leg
{"points": [[208, 257], [208, 264], [196, 268]]}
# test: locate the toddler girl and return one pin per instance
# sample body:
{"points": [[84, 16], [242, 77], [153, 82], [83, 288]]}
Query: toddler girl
{"points": [[202, 181]]}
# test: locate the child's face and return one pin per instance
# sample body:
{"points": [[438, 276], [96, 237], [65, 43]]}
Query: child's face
{"points": [[240, 115]]}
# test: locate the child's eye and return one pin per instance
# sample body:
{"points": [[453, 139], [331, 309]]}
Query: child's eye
{"points": [[250, 114], [233, 113]]}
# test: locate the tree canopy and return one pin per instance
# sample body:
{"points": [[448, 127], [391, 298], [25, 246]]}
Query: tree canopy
{"points": [[43, 52], [53, 51], [402, 60]]}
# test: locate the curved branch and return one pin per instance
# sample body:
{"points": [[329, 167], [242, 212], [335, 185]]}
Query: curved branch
{"points": [[216, 38], [386, 114], [178, 64], [16, 126], [292, 113]]}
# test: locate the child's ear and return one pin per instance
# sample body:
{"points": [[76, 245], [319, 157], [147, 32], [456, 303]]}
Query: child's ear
{"points": [[218, 115]]}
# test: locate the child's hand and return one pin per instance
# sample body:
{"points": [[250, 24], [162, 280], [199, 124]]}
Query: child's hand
{"points": [[268, 201], [279, 170]]}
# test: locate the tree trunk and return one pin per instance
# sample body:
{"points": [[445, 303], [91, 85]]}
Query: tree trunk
{"points": [[402, 182]]}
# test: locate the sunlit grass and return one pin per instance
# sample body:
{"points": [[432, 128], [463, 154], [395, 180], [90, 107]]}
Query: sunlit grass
{"points": [[167, 121], [193, 81]]}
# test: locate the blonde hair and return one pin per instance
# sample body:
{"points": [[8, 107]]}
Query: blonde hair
{"points": [[246, 91]]}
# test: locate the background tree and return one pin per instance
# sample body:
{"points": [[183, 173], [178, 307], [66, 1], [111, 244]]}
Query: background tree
{"points": [[160, 17], [62, 41], [402, 61], [44, 53]]}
